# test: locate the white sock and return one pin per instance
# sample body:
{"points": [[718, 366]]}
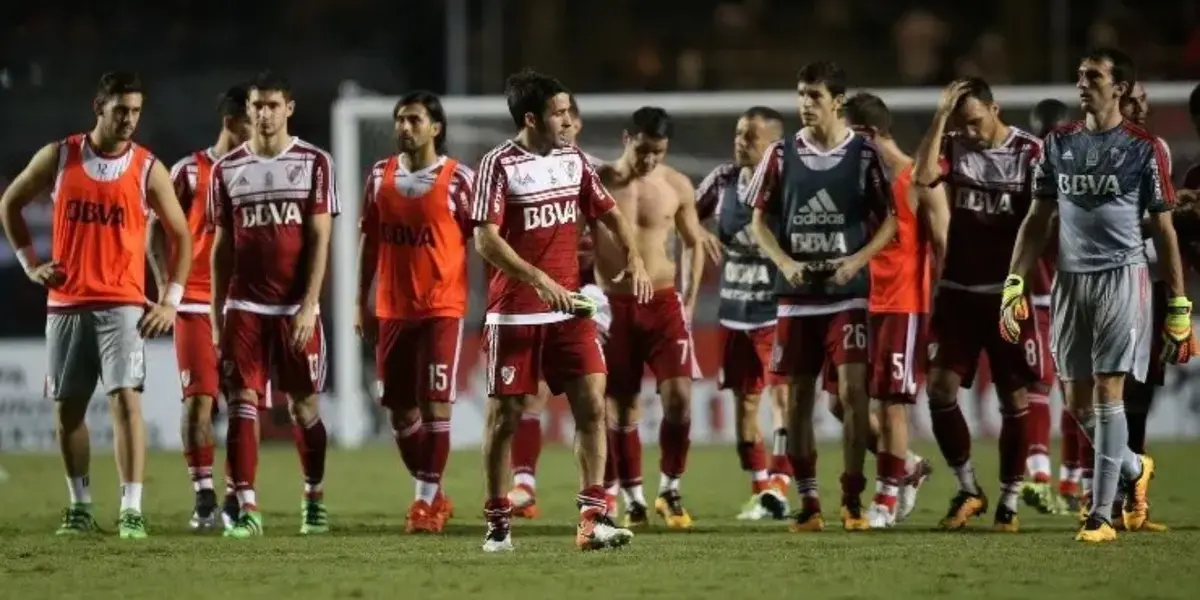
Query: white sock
{"points": [[666, 483], [79, 488], [757, 476], [635, 494], [246, 498], [427, 491], [131, 497], [911, 460], [1009, 493], [525, 479], [966, 478]]}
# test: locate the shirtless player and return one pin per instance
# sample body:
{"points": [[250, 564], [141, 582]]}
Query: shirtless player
{"points": [[658, 199]]}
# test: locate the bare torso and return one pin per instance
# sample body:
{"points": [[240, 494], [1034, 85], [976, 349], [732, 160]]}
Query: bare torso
{"points": [[650, 203]]}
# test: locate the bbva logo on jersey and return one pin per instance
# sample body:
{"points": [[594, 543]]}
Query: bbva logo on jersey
{"points": [[984, 202], [818, 243], [1088, 185], [266, 214], [550, 214]]}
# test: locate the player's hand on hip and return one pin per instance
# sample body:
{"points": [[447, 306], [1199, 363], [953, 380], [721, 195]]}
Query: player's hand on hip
{"points": [[1177, 331], [557, 296], [157, 321], [792, 272], [635, 271], [845, 269], [47, 275], [304, 324], [1014, 308]]}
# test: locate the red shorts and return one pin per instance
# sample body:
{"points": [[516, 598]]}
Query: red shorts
{"points": [[1156, 373], [196, 355], [803, 345], [518, 356], [653, 334], [745, 356], [964, 324], [417, 360], [897, 351], [256, 348]]}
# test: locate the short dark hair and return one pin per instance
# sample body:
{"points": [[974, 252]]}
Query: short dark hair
{"points": [[652, 122], [232, 102], [1123, 69], [433, 106], [979, 89], [574, 106], [826, 72], [869, 110], [1046, 115], [116, 83], [528, 91], [765, 113], [270, 81]]}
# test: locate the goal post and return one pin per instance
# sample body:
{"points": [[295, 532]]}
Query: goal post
{"points": [[362, 133]]}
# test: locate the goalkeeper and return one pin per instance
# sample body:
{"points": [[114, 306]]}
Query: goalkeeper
{"points": [[1101, 175]]}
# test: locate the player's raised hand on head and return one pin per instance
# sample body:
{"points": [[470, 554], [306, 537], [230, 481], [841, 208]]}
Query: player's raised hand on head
{"points": [[47, 275], [1014, 308], [157, 321], [557, 296], [304, 324], [951, 95]]}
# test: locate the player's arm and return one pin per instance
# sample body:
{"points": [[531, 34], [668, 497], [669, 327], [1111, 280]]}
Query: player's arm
{"points": [[599, 205], [934, 207], [220, 217], [763, 194], [157, 250], [165, 204], [1156, 185], [368, 256], [693, 235], [1039, 222], [927, 169], [37, 177]]}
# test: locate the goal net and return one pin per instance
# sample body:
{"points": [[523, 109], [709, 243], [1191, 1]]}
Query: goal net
{"points": [[704, 123]]}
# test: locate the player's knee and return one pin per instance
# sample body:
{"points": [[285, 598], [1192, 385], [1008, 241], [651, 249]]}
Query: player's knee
{"points": [[676, 397], [1012, 401], [623, 411], [198, 410], [303, 410], [836, 408], [502, 415], [70, 414], [403, 418], [125, 404], [942, 389], [438, 411]]}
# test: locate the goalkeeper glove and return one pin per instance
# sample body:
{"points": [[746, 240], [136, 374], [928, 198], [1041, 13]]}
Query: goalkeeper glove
{"points": [[1014, 308], [1177, 331], [584, 307]]}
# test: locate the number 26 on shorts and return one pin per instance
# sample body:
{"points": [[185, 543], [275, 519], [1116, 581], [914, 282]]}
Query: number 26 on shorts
{"points": [[854, 336]]}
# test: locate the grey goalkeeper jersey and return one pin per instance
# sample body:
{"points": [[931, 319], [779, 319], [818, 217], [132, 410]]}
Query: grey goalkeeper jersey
{"points": [[1103, 182]]}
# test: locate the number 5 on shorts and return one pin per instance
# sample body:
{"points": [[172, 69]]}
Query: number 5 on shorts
{"points": [[854, 336]]}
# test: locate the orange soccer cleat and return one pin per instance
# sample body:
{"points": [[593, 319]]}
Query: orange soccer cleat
{"points": [[443, 507], [423, 518], [524, 502]]}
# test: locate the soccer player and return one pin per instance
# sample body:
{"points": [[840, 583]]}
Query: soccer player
{"points": [[415, 226], [826, 190], [984, 167], [531, 193], [747, 313], [194, 350], [901, 292], [654, 333], [272, 201], [102, 184], [1101, 175]]}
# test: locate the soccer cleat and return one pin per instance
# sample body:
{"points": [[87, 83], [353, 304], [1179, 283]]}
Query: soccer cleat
{"points": [[853, 517], [774, 502], [249, 524], [906, 501], [423, 518], [962, 507], [1137, 508], [669, 506], [1006, 520], [597, 531], [313, 516], [499, 533], [231, 509], [1085, 508], [610, 505], [582, 305], [879, 516], [524, 503], [636, 515], [206, 514], [77, 519], [805, 520], [752, 510], [443, 508], [132, 525], [1096, 530]]}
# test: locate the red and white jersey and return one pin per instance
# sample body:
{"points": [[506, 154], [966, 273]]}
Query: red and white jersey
{"points": [[537, 201], [990, 192], [265, 204]]}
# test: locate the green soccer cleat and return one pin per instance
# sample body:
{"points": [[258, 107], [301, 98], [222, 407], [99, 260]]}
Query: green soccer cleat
{"points": [[584, 307], [132, 525], [313, 517], [248, 525], [77, 519]]}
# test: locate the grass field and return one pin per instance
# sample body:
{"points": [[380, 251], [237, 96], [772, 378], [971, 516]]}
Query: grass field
{"points": [[368, 556]]}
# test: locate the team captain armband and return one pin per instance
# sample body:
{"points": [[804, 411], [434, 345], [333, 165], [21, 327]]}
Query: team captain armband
{"points": [[27, 256], [174, 295]]}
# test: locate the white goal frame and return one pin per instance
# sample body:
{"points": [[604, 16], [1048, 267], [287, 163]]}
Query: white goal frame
{"points": [[349, 112]]}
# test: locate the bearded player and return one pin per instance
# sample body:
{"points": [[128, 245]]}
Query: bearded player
{"points": [[530, 196], [194, 350], [901, 292], [985, 169], [747, 314], [102, 185], [656, 333], [272, 201], [822, 205], [415, 227], [1101, 175]]}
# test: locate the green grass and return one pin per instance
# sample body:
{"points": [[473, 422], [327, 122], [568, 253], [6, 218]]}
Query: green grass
{"points": [[368, 556]]}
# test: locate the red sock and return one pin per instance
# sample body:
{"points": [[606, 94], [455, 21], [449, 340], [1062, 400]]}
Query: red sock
{"points": [[890, 472], [436, 452], [629, 455], [591, 499], [610, 459], [241, 443], [1014, 445], [411, 442], [952, 434], [200, 466], [1069, 428], [1038, 423], [526, 444], [312, 442], [805, 469], [674, 440]]}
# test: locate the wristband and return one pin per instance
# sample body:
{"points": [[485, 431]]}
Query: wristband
{"points": [[27, 256], [174, 295]]}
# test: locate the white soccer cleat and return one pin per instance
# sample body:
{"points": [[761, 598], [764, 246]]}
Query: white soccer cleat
{"points": [[210, 522], [906, 501], [753, 510], [498, 539], [596, 532], [879, 516]]}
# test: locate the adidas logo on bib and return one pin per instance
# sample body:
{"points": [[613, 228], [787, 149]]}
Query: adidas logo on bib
{"points": [[819, 210]]}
